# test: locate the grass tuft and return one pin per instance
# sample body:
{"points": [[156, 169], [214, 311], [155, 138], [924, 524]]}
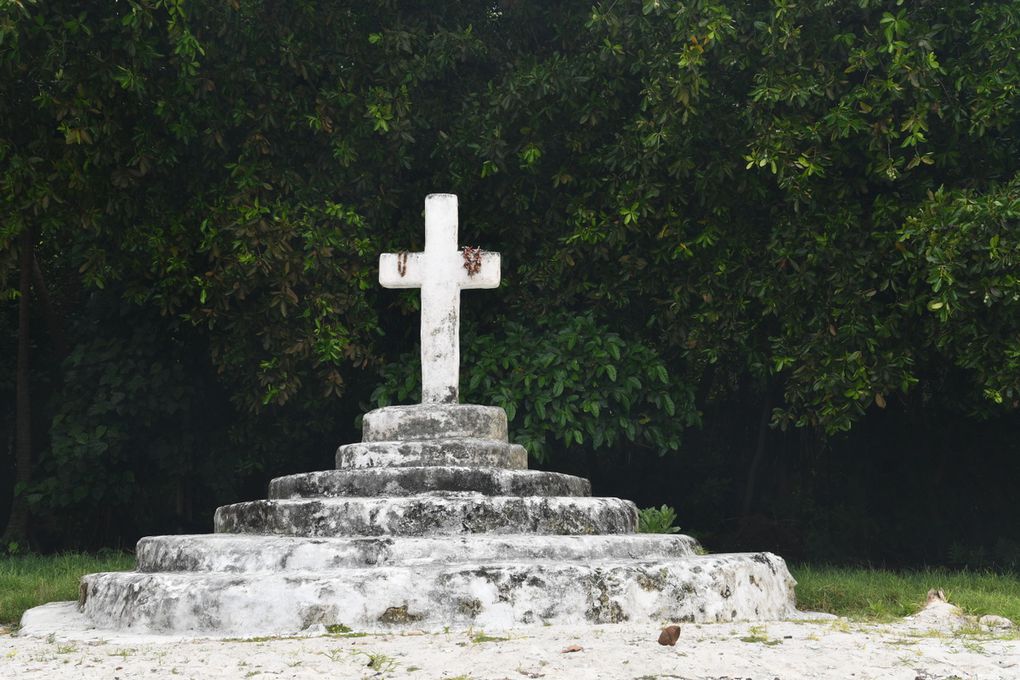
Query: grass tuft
{"points": [[759, 635], [30, 580], [481, 637], [879, 595]]}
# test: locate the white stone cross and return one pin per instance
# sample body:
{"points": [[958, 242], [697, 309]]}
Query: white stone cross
{"points": [[441, 271]]}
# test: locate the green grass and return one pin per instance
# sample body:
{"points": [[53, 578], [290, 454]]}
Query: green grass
{"points": [[879, 595], [30, 580], [758, 635], [482, 637]]}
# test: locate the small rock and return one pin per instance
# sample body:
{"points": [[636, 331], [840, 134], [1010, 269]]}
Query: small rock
{"points": [[573, 648], [938, 614], [995, 621], [669, 635]]}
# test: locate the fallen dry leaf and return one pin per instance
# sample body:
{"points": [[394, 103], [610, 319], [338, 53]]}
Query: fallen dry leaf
{"points": [[573, 648], [669, 635]]}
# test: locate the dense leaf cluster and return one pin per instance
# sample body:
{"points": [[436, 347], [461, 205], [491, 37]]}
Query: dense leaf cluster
{"points": [[566, 381], [812, 205]]}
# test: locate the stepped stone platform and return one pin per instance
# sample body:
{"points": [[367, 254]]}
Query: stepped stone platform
{"points": [[432, 520], [426, 546], [408, 481]]}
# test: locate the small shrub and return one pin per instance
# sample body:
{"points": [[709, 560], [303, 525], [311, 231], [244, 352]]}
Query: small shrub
{"points": [[657, 520]]}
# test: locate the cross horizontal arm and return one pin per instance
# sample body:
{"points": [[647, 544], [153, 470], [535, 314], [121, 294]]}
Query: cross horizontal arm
{"points": [[401, 270], [487, 276]]}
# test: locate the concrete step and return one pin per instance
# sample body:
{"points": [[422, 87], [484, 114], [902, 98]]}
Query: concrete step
{"points": [[434, 421], [489, 596], [406, 481], [463, 452], [428, 514], [234, 553]]}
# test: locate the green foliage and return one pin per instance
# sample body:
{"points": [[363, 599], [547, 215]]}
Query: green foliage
{"points": [[741, 199], [753, 191], [960, 247], [657, 520], [806, 205], [175, 185], [338, 629], [120, 398], [568, 379]]}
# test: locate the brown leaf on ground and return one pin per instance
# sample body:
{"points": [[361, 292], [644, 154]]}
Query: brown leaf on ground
{"points": [[669, 635], [573, 648]]}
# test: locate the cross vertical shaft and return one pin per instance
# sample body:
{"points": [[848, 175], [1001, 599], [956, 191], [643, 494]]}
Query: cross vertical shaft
{"points": [[440, 303]]}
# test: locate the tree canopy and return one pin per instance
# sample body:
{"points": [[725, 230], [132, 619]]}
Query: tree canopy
{"points": [[807, 206]]}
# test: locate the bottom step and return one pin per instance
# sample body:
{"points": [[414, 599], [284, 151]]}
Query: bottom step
{"points": [[493, 596]]}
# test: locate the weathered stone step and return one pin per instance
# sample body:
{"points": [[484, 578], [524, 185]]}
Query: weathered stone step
{"points": [[434, 421], [405, 481], [424, 515], [464, 452], [246, 553], [751, 586]]}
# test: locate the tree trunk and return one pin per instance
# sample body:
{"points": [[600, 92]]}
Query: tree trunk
{"points": [[17, 522], [759, 454], [54, 324]]}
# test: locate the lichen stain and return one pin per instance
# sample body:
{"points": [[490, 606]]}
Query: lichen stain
{"points": [[603, 609], [762, 559], [652, 583], [398, 615], [83, 594], [470, 608], [324, 614]]}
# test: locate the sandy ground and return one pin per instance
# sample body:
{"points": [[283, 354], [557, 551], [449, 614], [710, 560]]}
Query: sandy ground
{"points": [[830, 649]]}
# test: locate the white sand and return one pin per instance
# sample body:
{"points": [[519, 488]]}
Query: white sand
{"points": [[830, 649]]}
